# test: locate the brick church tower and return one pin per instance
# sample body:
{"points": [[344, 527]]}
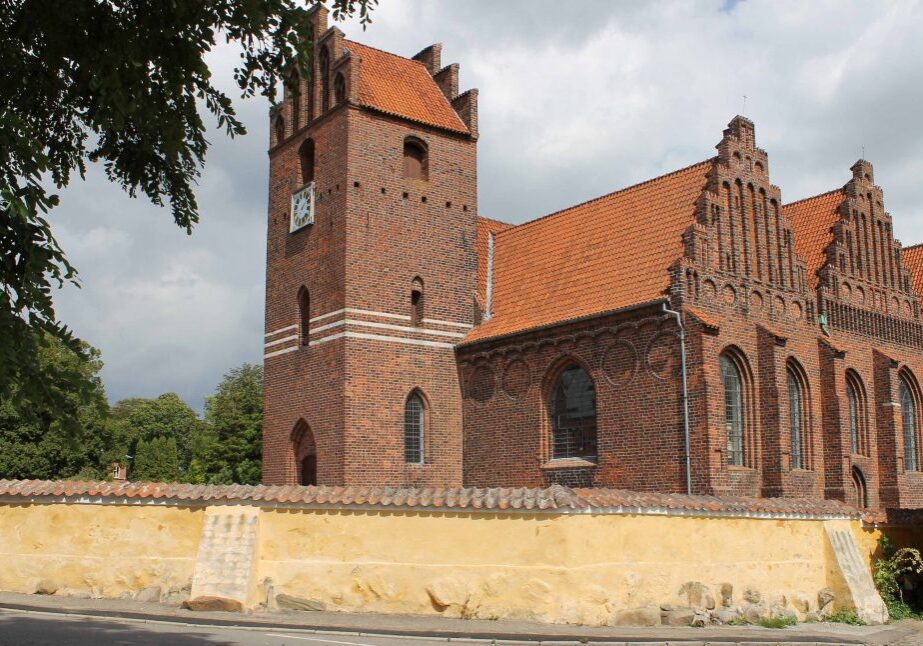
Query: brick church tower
{"points": [[371, 268]]}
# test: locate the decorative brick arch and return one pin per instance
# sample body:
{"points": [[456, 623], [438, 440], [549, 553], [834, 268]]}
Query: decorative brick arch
{"points": [[749, 455], [304, 454]]}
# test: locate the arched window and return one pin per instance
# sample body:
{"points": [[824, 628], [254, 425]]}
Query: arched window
{"points": [[279, 128], [306, 157], [339, 90], [414, 423], [799, 415], [909, 394], [573, 414], [324, 79], [859, 488], [416, 163], [295, 95], [735, 411], [304, 451], [304, 315], [416, 302], [858, 413]]}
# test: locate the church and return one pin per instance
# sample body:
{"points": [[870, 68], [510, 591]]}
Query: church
{"points": [[691, 333]]}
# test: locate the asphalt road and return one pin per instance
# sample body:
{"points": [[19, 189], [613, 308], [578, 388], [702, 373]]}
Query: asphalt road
{"points": [[21, 628]]}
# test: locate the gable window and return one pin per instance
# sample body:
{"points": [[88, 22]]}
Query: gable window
{"points": [[909, 420], [573, 414], [414, 421], [798, 414], [416, 162], [279, 128], [855, 397], [324, 79], [295, 94], [304, 315], [339, 90], [306, 158], [416, 302], [735, 412]]}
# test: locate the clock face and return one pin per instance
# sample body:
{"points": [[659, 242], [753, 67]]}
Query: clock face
{"points": [[302, 208]]}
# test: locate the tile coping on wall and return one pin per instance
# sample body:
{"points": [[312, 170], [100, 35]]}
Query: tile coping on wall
{"points": [[556, 499]]}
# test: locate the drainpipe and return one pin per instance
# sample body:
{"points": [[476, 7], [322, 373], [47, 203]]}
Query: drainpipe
{"points": [[682, 350]]}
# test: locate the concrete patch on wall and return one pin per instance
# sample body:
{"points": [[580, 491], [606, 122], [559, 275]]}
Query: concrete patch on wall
{"points": [[859, 585], [227, 556]]}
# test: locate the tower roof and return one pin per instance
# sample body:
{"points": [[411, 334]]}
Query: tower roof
{"points": [[402, 87]]}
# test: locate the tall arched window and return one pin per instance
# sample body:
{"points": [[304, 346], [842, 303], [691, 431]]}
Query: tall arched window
{"points": [[306, 157], [860, 488], [279, 128], [735, 414], [909, 395], [858, 415], [416, 162], [295, 95], [414, 427], [416, 302], [304, 315], [339, 89], [799, 415], [573, 414], [324, 79]]}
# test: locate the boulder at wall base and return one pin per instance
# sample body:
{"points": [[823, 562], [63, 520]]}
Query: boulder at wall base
{"points": [[725, 615], [647, 616], [677, 617], [727, 594], [825, 599], [697, 595], [212, 604], [46, 586], [448, 591], [288, 602]]}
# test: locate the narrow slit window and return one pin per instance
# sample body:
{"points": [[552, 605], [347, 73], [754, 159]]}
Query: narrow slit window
{"points": [[416, 162], [414, 426]]}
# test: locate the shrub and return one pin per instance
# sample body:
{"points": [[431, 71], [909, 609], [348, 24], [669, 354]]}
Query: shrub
{"points": [[778, 622], [843, 616], [892, 573]]}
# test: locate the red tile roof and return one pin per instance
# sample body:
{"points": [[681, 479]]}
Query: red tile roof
{"points": [[812, 220], [609, 253], [485, 227], [402, 87], [913, 260], [554, 498]]}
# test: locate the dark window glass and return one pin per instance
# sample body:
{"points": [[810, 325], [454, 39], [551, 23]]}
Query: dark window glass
{"points": [[909, 422], [796, 421], [573, 415], [306, 156], [733, 411], [413, 429], [339, 90]]}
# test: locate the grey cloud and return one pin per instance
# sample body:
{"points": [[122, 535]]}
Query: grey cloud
{"points": [[577, 99]]}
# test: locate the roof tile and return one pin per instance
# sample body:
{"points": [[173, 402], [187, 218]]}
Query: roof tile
{"points": [[812, 224], [602, 255], [913, 260]]}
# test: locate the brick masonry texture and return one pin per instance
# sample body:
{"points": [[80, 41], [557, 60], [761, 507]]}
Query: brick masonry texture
{"points": [[818, 288]]}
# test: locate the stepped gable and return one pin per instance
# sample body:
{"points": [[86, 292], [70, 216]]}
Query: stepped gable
{"points": [[913, 260], [402, 87], [554, 498], [606, 254], [812, 221]]}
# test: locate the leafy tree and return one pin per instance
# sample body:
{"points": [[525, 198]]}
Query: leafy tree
{"points": [[137, 421], [42, 443], [156, 460], [230, 449], [123, 83]]}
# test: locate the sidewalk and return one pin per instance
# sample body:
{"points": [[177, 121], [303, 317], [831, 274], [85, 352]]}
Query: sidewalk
{"points": [[904, 633]]}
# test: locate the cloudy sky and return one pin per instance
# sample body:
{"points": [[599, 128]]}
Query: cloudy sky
{"points": [[577, 99]]}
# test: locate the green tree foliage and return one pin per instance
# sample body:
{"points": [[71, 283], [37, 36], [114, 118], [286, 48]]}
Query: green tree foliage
{"points": [[156, 460], [137, 422], [41, 443], [896, 571], [230, 449], [125, 84]]}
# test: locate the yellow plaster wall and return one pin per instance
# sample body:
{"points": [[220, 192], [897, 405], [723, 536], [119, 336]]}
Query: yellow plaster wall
{"points": [[101, 550], [558, 568], [575, 568]]}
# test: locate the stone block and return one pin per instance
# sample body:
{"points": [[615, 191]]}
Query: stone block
{"points": [[646, 616], [213, 604], [289, 602]]}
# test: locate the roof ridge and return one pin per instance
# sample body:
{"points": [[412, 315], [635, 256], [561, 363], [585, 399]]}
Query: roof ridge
{"points": [[912, 246], [484, 217], [710, 160], [813, 197]]}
